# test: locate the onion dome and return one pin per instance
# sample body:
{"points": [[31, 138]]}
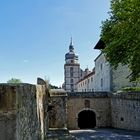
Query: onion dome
{"points": [[71, 54]]}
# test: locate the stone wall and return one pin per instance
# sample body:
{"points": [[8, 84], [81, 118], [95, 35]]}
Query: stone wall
{"points": [[57, 112], [99, 103], [23, 112], [31, 107], [120, 78], [125, 111], [7, 112]]}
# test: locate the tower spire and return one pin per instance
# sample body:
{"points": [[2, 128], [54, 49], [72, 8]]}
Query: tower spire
{"points": [[71, 41], [71, 48]]}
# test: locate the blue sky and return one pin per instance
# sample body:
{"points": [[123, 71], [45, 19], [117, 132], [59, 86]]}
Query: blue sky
{"points": [[35, 35]]}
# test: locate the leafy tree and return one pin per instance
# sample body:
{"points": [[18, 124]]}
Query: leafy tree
{"points": [[121, 34], [14, 81]]}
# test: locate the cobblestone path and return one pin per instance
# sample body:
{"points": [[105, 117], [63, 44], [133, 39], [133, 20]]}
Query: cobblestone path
{"points": [[105, 134]]}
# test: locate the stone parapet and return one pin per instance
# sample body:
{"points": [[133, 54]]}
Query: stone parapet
{"points": [[127, 95], [88, 94], [58, 93]]}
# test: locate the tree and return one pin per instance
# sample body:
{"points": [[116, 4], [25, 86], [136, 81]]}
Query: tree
{"points": [[121, 34], [14, 81]]}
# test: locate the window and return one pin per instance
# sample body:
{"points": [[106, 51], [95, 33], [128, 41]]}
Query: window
{"points": [[72, 61], [91, 79], [101, 66], [71, 69], [72, 87], [72, 90], [71, 80], [101, 82], [71, 74], [122, 119]]}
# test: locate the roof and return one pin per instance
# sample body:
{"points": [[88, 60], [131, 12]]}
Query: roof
{"points": [[87, 76], [100, 45]]}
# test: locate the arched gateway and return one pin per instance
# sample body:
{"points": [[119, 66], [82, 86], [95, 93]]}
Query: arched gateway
{"points": [[86, 119]]}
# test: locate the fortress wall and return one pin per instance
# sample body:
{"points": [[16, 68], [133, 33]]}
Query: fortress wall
{"points": [[23, 112], [57, 112], [32, 112], [125, 111], [7, 112]]}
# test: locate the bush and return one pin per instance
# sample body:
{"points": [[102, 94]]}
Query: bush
{"points": [[131, 89]]}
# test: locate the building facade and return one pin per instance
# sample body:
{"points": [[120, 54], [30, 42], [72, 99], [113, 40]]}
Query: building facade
{"points": [[106, 77], [87, 83], [102, 74]]}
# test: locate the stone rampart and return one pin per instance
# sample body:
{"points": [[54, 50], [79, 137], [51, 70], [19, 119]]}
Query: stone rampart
{"points": [[88, 94], [23, 112], [7, 112], [125, 110], [57, 112]]}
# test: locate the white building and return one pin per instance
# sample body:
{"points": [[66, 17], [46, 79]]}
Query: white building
{"points": [[102, 74], [87, 83], [107, 78]]}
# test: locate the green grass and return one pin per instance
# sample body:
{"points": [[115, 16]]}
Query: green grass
{"points": [[131, 89]]}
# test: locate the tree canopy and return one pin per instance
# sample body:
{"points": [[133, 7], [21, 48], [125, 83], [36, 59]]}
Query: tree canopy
{"points": [[14, 81], [121, 34]]}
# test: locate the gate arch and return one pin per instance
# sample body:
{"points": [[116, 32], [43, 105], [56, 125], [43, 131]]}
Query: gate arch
{"points": [[86, 119]]}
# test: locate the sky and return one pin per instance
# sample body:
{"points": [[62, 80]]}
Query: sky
{"points": [[35, 36]]}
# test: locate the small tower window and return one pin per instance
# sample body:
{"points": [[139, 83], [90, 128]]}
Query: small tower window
{"points": [[71, 74], [72, 61], [71, 69], [71, 80], [72, 86]]}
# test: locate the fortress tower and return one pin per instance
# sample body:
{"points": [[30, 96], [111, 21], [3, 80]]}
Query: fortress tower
{"points": [[71, 70]]}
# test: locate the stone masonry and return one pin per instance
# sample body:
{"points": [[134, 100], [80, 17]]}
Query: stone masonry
{"points": [[27, 112], [23, 112], [125, 111], [99, 103], [117, 110]]}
